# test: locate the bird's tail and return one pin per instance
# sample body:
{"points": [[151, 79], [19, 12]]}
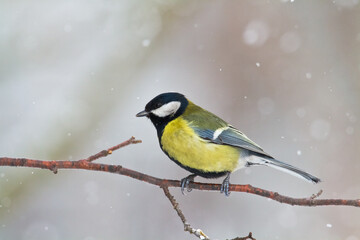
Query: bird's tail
{"points": [[271, 162]]}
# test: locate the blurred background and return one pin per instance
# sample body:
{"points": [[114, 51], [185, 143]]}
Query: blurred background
{"points": [[73, 74]]}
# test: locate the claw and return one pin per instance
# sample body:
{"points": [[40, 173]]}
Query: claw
{"points": [[185, 183], [225, 185]]}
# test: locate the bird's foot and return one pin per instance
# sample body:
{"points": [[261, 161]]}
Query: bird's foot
{"points": [[185, 183], [225, 185]]}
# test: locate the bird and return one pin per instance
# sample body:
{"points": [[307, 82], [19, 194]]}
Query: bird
{"points": [[204, 144]]}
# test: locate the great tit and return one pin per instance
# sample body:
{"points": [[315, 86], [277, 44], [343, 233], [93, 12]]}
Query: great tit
{"points": [[204, 144]]}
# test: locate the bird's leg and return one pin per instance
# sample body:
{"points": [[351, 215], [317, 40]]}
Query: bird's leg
{"points": [[185, 183], [225, 185]]}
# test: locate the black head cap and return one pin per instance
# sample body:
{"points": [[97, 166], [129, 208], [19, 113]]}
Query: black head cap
{"points": [[165, 98], [164, 108]]}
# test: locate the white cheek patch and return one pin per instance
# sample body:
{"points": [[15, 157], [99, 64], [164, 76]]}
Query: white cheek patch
{"points": [[167, 109]]}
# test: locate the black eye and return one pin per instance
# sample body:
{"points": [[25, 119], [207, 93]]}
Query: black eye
{"points": [[157, 105]]}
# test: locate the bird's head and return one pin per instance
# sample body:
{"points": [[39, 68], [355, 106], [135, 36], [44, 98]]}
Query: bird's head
{"points": [[164, 108]]}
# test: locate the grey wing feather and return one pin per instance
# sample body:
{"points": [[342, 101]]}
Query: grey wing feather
{"points": [[233, 137], [206, 134]]}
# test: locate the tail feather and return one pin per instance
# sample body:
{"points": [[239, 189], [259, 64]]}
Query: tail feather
{"points": [[271, 162]]}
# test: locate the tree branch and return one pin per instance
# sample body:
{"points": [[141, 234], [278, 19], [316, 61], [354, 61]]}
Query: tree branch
{"points": [[88, 164]]}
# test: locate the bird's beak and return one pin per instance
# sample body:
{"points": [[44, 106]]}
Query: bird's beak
{"points": [[142, 114]]}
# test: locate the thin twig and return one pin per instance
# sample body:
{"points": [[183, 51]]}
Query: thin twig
{"points": [[197, 232], [104, 153], [245, 238], [187, 227], [317, 194]]}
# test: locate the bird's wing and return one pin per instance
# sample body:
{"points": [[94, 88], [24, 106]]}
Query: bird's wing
{"points": [[213, 129], [230, 136]]}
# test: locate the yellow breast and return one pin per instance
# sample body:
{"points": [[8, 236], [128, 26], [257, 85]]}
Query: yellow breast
{"points": [[183, 145]]}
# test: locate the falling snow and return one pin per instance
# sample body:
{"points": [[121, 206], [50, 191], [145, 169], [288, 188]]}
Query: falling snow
{"points": [[256, 33], [146, 42], [320, 129], [279, 80], [351, 117], [6, 202]]}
